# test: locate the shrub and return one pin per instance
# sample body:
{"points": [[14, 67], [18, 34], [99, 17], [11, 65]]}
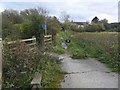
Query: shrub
{"points": [[94, 28], [78, 54], [18, 65], [21, 63], [59, 50]]}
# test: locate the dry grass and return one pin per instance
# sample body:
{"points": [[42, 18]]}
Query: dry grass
{"points": [[107, 43], [107, 40]]}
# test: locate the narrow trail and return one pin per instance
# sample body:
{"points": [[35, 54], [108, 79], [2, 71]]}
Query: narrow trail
{"points": [[88, 73]]}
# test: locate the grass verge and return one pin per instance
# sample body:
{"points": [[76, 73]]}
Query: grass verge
{"points": [[103, 46]]}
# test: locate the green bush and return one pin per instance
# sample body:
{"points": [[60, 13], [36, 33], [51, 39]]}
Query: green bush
{"points": [[20, 65], [59, 50], [94, 28], [52, 73], [79, 54]]}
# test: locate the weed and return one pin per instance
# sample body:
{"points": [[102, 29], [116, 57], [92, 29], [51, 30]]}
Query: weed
{"points": [[20, 65]]}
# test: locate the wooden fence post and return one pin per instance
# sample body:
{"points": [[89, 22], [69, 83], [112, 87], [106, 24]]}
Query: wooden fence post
{"points": [[47, 41], [30, 42]]}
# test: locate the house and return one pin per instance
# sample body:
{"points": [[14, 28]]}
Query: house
{"points": [[95, 20], [81, 24]]}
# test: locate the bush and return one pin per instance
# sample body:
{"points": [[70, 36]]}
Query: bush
{"points": [[94, 28], [59, 50], [20, 65], [27, 29], [79, 54], [52, 73]]}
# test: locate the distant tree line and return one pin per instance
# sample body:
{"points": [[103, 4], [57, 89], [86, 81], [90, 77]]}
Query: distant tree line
{"points": [[28, 23], [95, 25]]}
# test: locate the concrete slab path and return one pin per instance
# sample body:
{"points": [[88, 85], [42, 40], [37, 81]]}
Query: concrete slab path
{"points": [[87, 73]]}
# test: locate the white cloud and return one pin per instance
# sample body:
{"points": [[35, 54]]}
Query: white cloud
{"points": [[108, 17], [79, 10], [68, 1], [1, 7], [119, 12]]}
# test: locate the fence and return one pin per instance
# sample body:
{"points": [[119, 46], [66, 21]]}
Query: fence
{"points": [[47, 41], [30, 42]]}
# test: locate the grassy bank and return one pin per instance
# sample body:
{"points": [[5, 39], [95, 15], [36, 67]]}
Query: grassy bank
{"points": [[52, 73], [20, 65], [100, 45]]}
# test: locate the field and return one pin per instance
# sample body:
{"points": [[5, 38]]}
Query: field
{"points": [[100, 45], [103, 46]]}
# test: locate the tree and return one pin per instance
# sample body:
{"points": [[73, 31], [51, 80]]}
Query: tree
{"points": [[29, 13], [66, 23], [64, 16], [27, 29], [36, 18], [10, 24], [33, 27], [53, 27], [11, 16], [105, 23], [94, 28]]}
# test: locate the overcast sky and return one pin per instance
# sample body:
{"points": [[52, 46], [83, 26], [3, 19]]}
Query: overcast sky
{"points": [[79, 10]]}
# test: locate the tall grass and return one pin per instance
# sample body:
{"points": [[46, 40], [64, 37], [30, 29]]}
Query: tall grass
{"points": [[74, 47], [20, 65], [100, 45], [103, 45]]}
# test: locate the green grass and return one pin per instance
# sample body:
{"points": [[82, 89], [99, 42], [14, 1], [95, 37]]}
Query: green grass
{"points": [[100, 45], [74, 49], [103, 46], [53, 74], [59, 50]]}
